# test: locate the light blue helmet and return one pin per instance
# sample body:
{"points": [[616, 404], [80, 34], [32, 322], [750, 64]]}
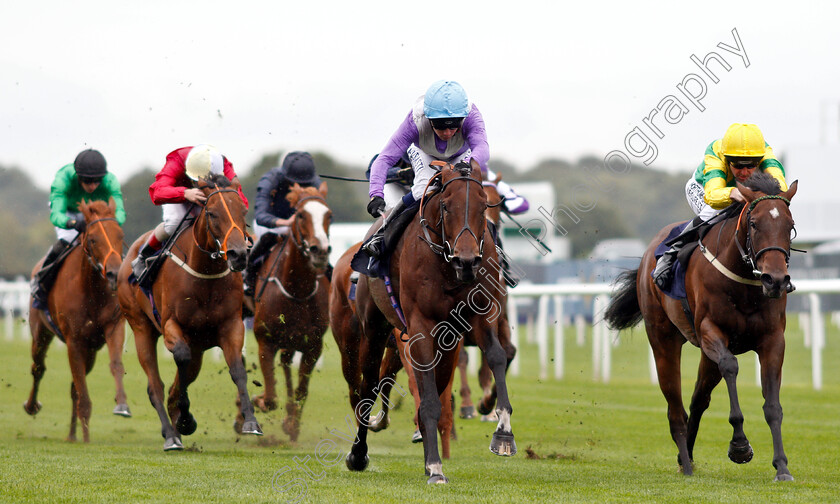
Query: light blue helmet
{"points": [[445, 99]]}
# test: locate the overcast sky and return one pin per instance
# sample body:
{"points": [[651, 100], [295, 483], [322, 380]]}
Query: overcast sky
{"points": [[138, 79]]}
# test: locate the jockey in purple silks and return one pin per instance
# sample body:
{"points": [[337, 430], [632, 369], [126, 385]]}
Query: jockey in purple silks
{"points": [[442, 125]]}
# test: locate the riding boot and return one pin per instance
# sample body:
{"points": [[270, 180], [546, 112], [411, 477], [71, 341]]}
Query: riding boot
{"points": [[374, 246], [663, 272], [138, 265], [255, 259], [42, 280]]}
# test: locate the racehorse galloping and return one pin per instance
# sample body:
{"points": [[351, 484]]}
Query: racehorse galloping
{"points": [[395, 357], [438, 276], [84, 313], [733, 312], [197, 305], [292, 311]]}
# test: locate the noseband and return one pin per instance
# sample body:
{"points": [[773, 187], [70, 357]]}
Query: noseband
{"points": [[100, 266], [446, 250], [749, 256], [221, 246]]}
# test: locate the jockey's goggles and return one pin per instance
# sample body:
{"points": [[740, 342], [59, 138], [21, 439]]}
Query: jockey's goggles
{"points": [[444, 123], [742, 163], [90, 180]]}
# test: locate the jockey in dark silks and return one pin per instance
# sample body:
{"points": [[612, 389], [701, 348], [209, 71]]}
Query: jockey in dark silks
{"points": [[734, 158], [87, 178], [271, 208]]}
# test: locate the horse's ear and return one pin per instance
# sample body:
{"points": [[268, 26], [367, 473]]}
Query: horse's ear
{"points": [[475, 166], [112, 204], [323, 189], [83, 207], [235, 184], [791, 190], [294, 195], [498, 178]]}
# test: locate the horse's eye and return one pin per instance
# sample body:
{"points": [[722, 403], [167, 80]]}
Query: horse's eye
{"points": [[752, 224]]}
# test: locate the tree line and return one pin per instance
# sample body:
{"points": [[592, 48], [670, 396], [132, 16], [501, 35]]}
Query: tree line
{"points": [[635, 205]]}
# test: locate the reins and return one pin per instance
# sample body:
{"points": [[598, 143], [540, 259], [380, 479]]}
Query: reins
{"points": [[221, 246]]}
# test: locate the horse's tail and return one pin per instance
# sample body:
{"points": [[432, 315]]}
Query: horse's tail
{"points": [[623, 311]]}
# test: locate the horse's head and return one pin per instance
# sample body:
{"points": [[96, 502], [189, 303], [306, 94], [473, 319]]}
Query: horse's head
{"points": [[222, 221], [102, 239], [767, 224], [462, 206], [310, 228]]}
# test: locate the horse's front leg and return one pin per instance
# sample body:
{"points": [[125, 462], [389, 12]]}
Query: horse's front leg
{"points": [[179, 401], [708, 376], [41, 338], [115, 339], [714, 345], [771, 355], [231, 338], [267, 401], [307, 364], [503, 442], [80, 362], [428, 416]]}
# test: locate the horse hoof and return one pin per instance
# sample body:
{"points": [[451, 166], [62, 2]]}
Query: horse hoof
{"points": [[503, 444], [740, 454], [438, 479], [417, 437], [355, 463], [687, 470], [467, 412], [172, 444], [485, 409], [378, 423], [251, 427], [32, 410], [783, 477], [122, 410], [490, 417], [186, 425]]}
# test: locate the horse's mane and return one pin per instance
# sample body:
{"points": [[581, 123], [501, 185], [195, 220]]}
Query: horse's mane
{"points": [[298, 193], [99, 208], [217, 179], [763, 182]]}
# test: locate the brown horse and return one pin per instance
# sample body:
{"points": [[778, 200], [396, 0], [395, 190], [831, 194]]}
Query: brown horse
{"points": [[197, 305], [733, 312], [438, 276], [394, 360], [84, 313], [292, 310]]}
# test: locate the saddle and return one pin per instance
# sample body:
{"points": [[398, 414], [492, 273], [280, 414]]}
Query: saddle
{"points": [[379, 267], [155, 262]]}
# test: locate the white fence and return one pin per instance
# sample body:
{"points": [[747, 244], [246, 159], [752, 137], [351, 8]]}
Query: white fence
{"points": [[603, 339], [14, 302]]}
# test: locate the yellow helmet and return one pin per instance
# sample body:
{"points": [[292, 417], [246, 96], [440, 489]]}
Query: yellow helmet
{"points": [[202, 160], [743, 140]]}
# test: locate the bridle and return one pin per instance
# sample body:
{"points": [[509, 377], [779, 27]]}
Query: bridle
{"points": [[297, 232], [446, 249], [221, 246], [749, 256], [100, 266]]}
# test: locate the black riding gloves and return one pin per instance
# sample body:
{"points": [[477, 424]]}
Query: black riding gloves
{"points": [[376, 206], [79, 225]]}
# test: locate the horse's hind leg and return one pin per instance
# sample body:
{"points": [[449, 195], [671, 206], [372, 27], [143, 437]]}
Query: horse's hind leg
{"points": [[667, 349], [115, 338], [467, 406], [391, 365], [41, 339], [708, 376], [771, 355]]}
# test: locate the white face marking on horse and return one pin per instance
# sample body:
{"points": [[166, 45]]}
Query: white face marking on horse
{"points": [[774, 212], [318, 210]]}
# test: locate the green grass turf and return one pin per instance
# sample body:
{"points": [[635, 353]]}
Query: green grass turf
{"points": [[590, 441]]}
